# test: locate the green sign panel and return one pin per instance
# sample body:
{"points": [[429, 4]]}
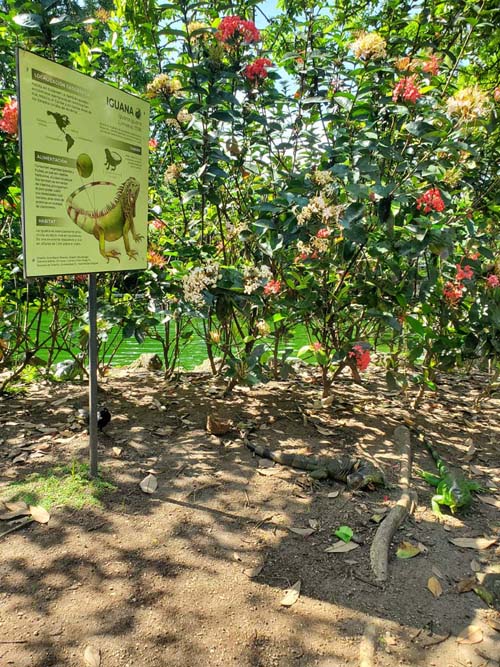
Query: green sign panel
{"points": [[84, 157]]}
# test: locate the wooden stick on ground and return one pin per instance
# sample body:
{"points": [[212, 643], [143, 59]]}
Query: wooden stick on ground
{"points": [[368, 645], [379, 552]]}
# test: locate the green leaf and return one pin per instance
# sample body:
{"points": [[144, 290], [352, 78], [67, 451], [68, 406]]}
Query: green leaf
{"points": [[28, 20], [344, 533]]}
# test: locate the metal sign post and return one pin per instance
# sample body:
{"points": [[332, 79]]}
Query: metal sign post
{"points": [[92, 305]]}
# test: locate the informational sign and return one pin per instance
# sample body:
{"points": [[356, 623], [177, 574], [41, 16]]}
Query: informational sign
{"points": [[84, 167]]}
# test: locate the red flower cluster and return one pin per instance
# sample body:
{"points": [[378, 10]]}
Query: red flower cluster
{"points": [[361, 356], [153, 144], [406, 90], [465, 273], [431, 201], [272, 287], [257, 71], [431, 66], [493, 280], [8, 122], [233, 28], [452, 292]]}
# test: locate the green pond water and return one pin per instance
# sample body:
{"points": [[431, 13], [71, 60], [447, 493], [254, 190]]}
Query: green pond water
{"points": [[192, 352]]}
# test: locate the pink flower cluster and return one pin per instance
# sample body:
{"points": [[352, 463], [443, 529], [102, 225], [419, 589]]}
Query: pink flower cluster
{"points": [[233, 28], [323, 233], [493, 281], [454, 289], [257, 71], [452, 292], [153, 144], [272, 287], [464, 273], [157, 224], [431, 66], [431, 200], [406, 90], [361, 356], [8, 122]]}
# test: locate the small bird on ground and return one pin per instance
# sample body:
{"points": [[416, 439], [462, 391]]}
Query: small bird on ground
{"points": [[103, 418]]}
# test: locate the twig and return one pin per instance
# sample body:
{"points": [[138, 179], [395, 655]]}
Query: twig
{"points": [[16, 527], [366, 581], [13, 641]]}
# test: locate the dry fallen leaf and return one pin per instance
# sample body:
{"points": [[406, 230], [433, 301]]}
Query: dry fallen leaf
{"points": [[305, 532], [92, 656], [324, 431], [475, 566], [252, 572], [435, 587], [267, 472], [292, 595], [39, 513], [314, 523], [471, 449], [466, 585], [494, 623], [473, 542], [390, 640], [117, 451], [326, 402], [490, 500], [334, 494], [341, 547], [149, 484], [437, 572], [471, 635], [407, 550]]}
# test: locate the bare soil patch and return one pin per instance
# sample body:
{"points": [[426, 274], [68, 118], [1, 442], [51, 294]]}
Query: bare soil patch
{"points": [[193, 574]]}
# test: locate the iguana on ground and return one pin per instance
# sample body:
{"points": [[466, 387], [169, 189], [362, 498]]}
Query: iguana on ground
{"points": [[453, 490], [114, 221], [354, 472]]}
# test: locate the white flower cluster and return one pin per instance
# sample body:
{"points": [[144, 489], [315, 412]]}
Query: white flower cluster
{"points": [[321, 177], [253, 277], [198, 280], [319, 210]]}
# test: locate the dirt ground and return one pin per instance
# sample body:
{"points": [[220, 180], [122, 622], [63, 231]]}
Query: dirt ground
{"points": [[194, 574]]}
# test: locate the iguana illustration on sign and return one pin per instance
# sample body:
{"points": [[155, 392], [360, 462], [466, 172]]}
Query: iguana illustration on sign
{"points": [[114, 221]]}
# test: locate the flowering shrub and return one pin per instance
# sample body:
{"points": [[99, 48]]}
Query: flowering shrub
{"points": [[468, 104], [233, 29], [431, 200], [257, 71], [8, 122], [493, 281], [369, 46], [431, 66], [361, 356], [406, 90], [272, 287]]}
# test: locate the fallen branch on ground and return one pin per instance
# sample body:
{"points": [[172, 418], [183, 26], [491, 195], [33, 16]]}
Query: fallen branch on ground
{"points": [[379, 552], [368, 645]]}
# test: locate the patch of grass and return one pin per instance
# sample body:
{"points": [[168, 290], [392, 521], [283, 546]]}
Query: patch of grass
{"points": [[62, 486]]}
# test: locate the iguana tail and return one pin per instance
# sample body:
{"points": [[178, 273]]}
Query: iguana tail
{"points": [[85, 219], [291, 460], [440, 464]]}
